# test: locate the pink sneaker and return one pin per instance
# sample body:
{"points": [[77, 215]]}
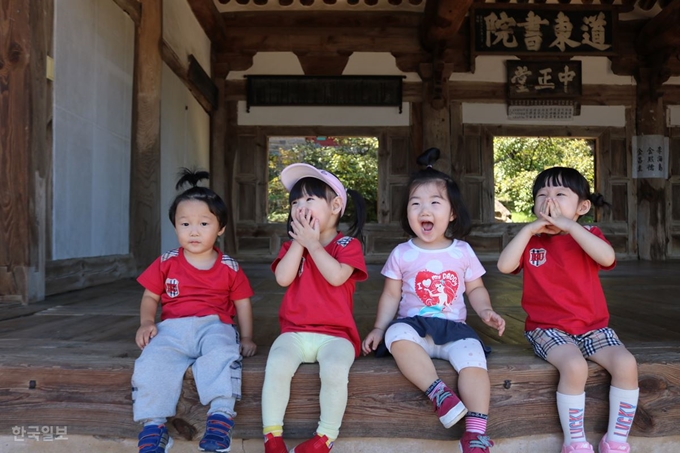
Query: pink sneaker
{"points": [[609, 446], [274, 444], [449, 408], [475, 443], [577, 447]]}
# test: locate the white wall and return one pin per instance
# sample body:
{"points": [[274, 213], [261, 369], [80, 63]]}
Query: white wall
{"points": [[673, 116], [184, 34], [185, 142], [185, 126], [93, 65]]}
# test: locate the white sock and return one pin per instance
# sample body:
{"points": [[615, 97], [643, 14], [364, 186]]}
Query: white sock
{"points": [[571, 410], [622, 405]]}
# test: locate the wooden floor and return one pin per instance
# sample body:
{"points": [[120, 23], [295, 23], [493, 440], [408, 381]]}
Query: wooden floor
{"points": [[643, 300]]}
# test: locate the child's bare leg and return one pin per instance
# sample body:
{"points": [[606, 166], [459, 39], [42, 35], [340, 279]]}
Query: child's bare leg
{"points": [[414, 363], [573, 368], [474, 388], [620, 363]]}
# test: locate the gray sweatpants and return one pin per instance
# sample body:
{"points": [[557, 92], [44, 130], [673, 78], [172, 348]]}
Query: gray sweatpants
{"points": [[206, 344]]}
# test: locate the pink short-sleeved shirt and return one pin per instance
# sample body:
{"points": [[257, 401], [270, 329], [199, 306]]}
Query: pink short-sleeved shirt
{"points": [[433, 281]]}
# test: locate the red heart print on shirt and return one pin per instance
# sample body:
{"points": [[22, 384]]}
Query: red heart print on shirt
{"points": [[436, 289]]}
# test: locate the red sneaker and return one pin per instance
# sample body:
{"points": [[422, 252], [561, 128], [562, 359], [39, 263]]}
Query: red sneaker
{"points": [[317, 444], [274, 444], [449, 408], [475, 443]]}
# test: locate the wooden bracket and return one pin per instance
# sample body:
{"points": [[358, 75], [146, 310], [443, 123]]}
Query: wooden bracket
{"points": [[435, 76], [323, 63], [650, 80]]}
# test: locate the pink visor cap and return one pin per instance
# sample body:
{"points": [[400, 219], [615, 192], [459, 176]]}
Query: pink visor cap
{"points": [[295, 172]]}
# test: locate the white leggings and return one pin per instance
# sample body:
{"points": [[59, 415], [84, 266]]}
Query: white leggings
{"points": [[335, 356], [464, 353]]}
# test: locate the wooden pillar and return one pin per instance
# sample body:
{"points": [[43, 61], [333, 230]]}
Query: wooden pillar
{"points": [[436, 117], [231, 149], [652, 224], [220, 180], [436, 130], [145, 178], [23, 138]]}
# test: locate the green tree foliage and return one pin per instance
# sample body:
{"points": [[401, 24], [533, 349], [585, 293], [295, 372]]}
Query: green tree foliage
{"points": [[518, 160], [354, 161]]}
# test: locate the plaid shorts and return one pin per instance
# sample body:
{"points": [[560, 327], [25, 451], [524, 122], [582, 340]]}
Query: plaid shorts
{"points": [[543, 340]]}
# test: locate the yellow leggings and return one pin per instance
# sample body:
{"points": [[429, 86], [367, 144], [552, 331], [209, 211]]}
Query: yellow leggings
{"points": [[335, 356]]}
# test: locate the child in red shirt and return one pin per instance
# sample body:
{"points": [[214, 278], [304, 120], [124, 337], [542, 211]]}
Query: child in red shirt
{"points": [[567, 313], [200, 291], [320, 267]]}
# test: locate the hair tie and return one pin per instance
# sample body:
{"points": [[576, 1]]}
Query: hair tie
{"points": [[429, 166]]}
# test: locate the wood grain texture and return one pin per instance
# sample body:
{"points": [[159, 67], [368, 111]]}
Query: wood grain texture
{"points": [[145, 232], [132, 8], [87, 388], [77, 273], [23, 138], [192, 75]]}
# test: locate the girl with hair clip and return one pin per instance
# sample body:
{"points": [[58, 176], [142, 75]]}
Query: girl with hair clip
{"points": [[424, 285], [200, 290], [566, 310], [320, 267]]}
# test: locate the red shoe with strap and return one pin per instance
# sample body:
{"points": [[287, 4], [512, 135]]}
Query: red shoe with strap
{"points": [[317, 444]]}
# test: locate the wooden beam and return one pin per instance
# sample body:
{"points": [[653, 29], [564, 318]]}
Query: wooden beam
{"points": [[224, 63], [661, 33], [77, 273], [23, 122], [340, 39], [145, 178], [193, 77], [132, 8], [87, 387], [219, 131], [211, 21], [442, 20], [309, 20]]}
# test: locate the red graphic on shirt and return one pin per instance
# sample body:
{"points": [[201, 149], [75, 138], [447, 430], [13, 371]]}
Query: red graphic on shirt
{"points": [[172, 287], [537, 257], [436, 289]]}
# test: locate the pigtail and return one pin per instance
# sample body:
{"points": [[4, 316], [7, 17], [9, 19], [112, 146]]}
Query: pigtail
{"points": [[428, 157], [191, 177], [462, 224], [216, 205], [598, 201], [356, 230]]}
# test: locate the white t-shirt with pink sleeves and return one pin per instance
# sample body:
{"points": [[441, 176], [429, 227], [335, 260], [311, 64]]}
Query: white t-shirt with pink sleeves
{"points": [[433, 281]]}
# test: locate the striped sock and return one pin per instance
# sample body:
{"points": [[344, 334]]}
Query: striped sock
{"points": [[476, 422], [435, 389]]}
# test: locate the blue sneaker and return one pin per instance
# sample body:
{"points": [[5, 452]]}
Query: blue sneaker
{"points": [[217, 435], [154, 439]]}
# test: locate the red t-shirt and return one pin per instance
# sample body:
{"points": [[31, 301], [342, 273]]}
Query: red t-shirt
{"points": [[311, 304], [186, 291], [562, 288]]}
